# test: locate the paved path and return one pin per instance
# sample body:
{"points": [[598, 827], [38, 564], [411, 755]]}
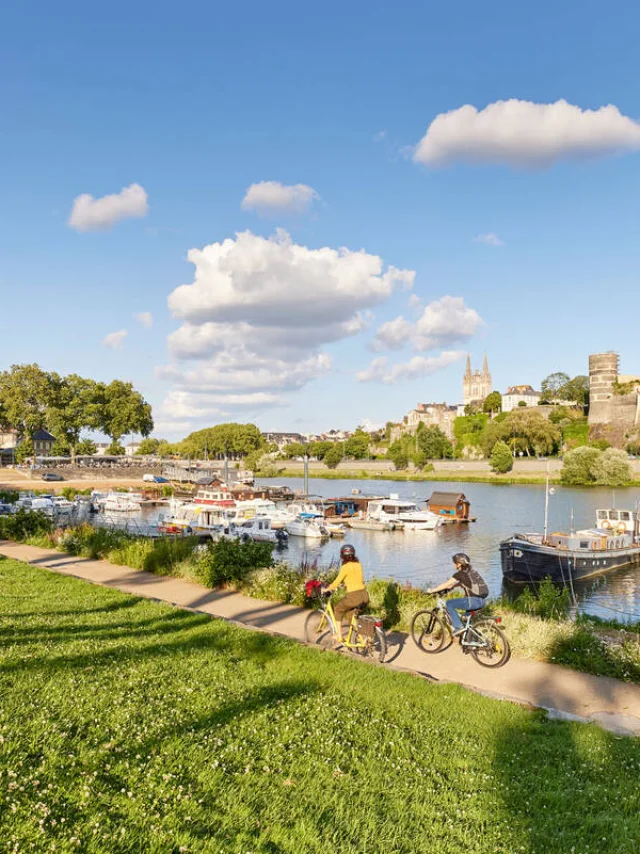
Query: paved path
{"points": [[565, 693]]}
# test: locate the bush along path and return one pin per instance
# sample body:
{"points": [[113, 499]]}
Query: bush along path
{"points": [[604, 700]]}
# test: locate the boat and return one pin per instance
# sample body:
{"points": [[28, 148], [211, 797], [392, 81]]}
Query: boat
{"points": [[367, 524], [62, 504], [309, 526], [185, 517], [216, 494], [568, 557], [404, 514], [452, 507], [119, 502], [259, 529], [261, 507], [335, 529]]}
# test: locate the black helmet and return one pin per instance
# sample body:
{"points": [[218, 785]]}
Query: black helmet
{"points": [[462, 559], [347, 553]]}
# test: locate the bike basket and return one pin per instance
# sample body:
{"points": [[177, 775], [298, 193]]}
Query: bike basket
{"points": [[367, 625], [313, 589]]}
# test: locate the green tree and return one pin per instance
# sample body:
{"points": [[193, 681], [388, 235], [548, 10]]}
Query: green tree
{"points": [[86, 447], [493, 403], [148, 446], [432, 443], [577, 466], [612, 468], [357, 446], [26, 393], [576, 390], [115, 449], [398, 454], [294, 449], [24, 451], [334, 455], [61, 447], [232, 439], [501, 458], [319, 449], [76, 403], [124, 411], [551, 386]]}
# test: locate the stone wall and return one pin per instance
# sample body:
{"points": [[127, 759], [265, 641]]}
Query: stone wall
{"points": [[614, 417]]}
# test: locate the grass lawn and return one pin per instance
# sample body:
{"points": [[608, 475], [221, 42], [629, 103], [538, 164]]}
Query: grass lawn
{"points": [[130, 726]]}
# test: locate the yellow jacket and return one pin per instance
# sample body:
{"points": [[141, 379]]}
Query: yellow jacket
{"points": [[351, 575]]}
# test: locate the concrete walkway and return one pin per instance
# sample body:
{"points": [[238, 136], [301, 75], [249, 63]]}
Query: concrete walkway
{"points": [[564, 693]]}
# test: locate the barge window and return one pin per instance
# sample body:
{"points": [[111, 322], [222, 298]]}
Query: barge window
{"points": [[625, 515], [584, 544]]}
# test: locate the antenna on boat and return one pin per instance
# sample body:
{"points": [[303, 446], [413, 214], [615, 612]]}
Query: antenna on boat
{"points": [[572, 522], [306, 474]]}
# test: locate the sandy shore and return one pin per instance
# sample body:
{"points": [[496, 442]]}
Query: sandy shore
{"points": [[17, 479]]}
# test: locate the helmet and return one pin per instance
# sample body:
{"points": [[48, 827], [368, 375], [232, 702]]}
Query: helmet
{"points": [[347, 553], [462, 559]]}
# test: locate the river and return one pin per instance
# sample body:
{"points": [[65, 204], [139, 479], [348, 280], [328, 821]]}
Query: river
{"points": [[424, 557]]}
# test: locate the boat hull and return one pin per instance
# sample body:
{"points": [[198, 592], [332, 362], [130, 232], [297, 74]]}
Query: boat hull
{"points": [[524, 562]]}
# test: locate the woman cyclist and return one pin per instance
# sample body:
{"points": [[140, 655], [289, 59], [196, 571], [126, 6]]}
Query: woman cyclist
{"points": [[352, 576]]}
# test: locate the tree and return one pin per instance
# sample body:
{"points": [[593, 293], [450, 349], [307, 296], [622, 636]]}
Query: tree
{"points": [[493, 403], [552, 385], [576, 390], [24, 451], [319, 449], [399, 456], [577, 466], [334, 455], [501, 458], [235, 440], [612, 468], [86, 448], [115, 449], [26, 391], [147, 447], [124, 411], [432, 443], [522, 403], [357, 446], [60, 447], [294, 449], [76, 403]]}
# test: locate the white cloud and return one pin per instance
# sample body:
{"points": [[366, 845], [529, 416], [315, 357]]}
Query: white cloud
{"points": [[115, 340], [525, 134], [489, 239], [419, 366], [258, 314], [273, 197], [442, 323], [89, 214], [415, 302], [145, 318]]}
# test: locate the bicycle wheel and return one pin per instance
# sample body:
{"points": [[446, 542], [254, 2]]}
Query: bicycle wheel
{"points": [[428, 631], [378, 647], [496, 650], [318, 629]]}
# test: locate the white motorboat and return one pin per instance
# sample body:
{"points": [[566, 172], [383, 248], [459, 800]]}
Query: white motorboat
{"points": [[261, 507], [43, 504], [310, 527], [185, 517], [260, 530], [119, 502], [404, 514], [62, 504]]}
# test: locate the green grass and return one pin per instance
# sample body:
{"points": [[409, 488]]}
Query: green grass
{"points": [[130, 726], [460, 477]]}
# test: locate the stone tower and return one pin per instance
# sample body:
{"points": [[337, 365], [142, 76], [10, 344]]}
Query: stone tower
{"points": [[476, 385], [603, 372]]}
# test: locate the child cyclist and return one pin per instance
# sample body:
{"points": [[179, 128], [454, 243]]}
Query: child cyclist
{"points": [[352, 576]]}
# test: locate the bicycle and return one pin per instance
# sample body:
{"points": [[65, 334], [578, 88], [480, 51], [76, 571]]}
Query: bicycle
{"points": [[483, 638], [365, 635]]}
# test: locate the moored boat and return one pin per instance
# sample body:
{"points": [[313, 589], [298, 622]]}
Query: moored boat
{"points": [[405, 514], [310, 527]]}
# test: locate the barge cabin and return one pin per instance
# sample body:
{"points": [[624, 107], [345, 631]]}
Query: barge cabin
{"points": [[450, 506]]}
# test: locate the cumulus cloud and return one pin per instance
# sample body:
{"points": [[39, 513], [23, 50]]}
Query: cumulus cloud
{"points": [[89, 214], [115, 340], [525, 134], [268, 197], [442, 323], [419, 366], [415, 302], [489, 239], [258, 314], [145, 318]]}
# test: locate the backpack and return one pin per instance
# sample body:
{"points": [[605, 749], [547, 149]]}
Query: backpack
{"points": [[476, 586]]}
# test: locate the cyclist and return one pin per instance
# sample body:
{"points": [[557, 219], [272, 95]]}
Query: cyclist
{"points": [[473, 584], [352, 576]]}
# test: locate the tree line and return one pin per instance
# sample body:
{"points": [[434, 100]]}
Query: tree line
{"points": [[32, 399]]}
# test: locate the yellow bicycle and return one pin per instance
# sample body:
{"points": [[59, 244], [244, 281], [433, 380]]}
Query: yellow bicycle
{"points": [[365, 635]]}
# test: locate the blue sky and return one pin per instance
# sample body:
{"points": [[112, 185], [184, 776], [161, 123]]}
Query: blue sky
{"points": [[196, 102]]}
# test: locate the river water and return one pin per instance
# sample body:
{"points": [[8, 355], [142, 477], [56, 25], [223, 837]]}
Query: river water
{"points": [[424, 557]]}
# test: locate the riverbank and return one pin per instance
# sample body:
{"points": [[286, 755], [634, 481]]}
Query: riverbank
{"points": [[131, 725], [409, 476]]}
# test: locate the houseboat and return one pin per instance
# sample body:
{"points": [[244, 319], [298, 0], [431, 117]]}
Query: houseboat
{"points": [[216, 494], [568, 557], [451, 507]]}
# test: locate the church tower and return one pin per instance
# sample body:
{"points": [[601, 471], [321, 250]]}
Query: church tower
{"points": [[477, 385]]}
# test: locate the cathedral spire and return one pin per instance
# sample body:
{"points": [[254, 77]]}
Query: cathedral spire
{"points": [[468, 371], [485, 366]]}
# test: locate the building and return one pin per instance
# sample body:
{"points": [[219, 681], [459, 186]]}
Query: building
{"points": [[131, 449], [519, 394], [43, 442], [283, 439], [8, 439], [476, 385], [431, 415], [614, 406]]}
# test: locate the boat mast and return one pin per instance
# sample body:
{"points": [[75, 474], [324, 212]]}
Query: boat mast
{"points": [[546, 507]]}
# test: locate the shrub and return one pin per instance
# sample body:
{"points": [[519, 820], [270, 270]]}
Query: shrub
{"points": [[577, 466], [550, 602], [24, 524], [9, 496], [588, 465], [92, 543], [501, 459], [230, 561]]}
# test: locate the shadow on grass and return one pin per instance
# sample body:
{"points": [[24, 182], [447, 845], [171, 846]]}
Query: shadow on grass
{"points": [[568, 786]]}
